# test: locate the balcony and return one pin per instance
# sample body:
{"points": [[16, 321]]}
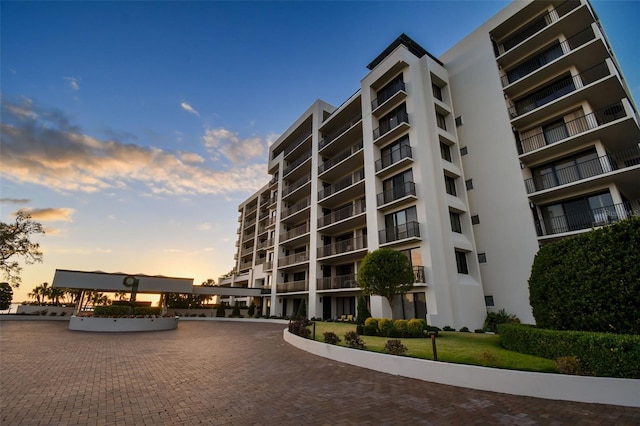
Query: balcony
{"points": [[400, 232], [264, 244], [293, 259], [586, 219], [388, 129], [292, 286], [292, 166], [345, 246], [571, 128], [339, 158], [536, 26], [265, 290], [342, 213], [396, 193], [295, 232], [299, 206], [337, 282], [584, 170], [268, 265], [296, 185], [292, 146], [341, 184], [391, 158], [327, 139], [548, 55], [250, 223], [558, 89], [393, 91], [418, 272], [245, 265]]}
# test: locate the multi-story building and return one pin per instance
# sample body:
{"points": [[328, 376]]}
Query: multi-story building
{"points": [[522, 133]]}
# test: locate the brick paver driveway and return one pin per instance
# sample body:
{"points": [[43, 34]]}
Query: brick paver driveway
{"points": [[235, 373]]}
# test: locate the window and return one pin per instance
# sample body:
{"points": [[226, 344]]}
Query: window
{"points": [[393, 153], [488, 301], [441, 121], [388, 91], [475, 219], [391, 121], [567, 170], [459, 121], [469, 184], [455, 222], [437, 91], [464, 151], [554, 132], [445, 152], [397, 187], [461, 262], [450, 185], [400, 225], [579, 213], [482, 257]]}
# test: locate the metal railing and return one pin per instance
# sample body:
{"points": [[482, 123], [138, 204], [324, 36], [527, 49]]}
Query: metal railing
{"points": [[400, 232], [387, 93], [301, 205], [295, 185], [292, 286], [571, 128], [548, 55], [296, 143], [337, 282], [264, 244], [295, 232], [558, 89], [536, 26], [583, 170], [418, 272], [390, 158], [387, 125], [345, 246], [340, 157], [327, 139], [586, 219], [341, 184], [343, 213], [304, 157], [293, 259], [395, 193]]}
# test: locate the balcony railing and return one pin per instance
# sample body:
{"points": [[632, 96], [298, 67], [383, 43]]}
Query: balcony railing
{"points": [[345, 246], [571, 128], [558, 89], [397, 192], [304, 157], [296, 207], [538, 25], [586, 219], [334, 135], [341, 184], [292, 286], [294, 258], [265, 290], [547, 56], [338, 282], [584, 170], [295, 232], [387, 126], [250, 223], [264, 244], [268, 265], [400, 232], [387, 94], [343, 213], [295, 185], [296, 144], [340, 157], [418, 272], [245, 265], [391, 158]]}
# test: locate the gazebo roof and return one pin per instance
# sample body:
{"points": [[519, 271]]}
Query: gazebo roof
{"points": [[104, 281]]}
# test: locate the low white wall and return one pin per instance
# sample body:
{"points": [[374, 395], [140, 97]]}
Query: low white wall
{"points": [[122, 324], [600, 390]]}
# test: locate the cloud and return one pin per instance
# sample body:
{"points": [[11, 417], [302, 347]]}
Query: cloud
{"points": [[204, 226], [15, 200], [73, 82], [191, 157], [50, 214], [43, 147], [185, 106], [228, 144]]}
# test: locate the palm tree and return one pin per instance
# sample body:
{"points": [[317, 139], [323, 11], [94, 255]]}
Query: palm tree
{"points": [[55, 294], [35, 294]]}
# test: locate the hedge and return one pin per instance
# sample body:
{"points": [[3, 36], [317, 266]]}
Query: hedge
{"points": [[119, 310], [600, 354]]}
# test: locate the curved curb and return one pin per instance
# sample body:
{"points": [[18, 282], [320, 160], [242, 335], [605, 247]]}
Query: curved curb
{"points": [[595, 390]]}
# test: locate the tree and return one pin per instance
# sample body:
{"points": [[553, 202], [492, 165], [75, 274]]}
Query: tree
{"points": [[385, 272], [302, 309], [6, 296], [362, 311], [15, 243], [590, 282]]}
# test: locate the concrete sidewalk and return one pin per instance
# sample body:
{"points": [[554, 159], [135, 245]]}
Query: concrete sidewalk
{"points": [[235, 373]]}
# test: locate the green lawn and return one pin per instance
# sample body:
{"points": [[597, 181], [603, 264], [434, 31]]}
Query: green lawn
{"points": [[455, 347]]}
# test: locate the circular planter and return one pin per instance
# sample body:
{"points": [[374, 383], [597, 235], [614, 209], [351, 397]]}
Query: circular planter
{"points": [[122, 324]]}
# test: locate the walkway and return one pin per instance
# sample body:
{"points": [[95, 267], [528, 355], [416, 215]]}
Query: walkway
{"points": [[235, 373]]}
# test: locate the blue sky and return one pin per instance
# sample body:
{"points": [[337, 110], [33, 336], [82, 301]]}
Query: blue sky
{"points": [[132, 130]]}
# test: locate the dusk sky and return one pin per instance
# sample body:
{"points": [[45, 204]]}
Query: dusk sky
{"points": [[132, 130]]}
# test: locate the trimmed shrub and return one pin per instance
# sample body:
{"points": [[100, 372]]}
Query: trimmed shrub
{"points": [[500, 317], [371, 327], [352, 340], [395, 347], [385, 327], [447, 328], [602, 354], [331, 338], [465, 330], [299, 327], [400, 328], [302, 309], [568, 365], [362, 312], [589, 282], [479, 331], [431, 328], [252, 310], [220, 311], [113, 310], [147, 310], [359, 329], [416, 327], [235, 312]]}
